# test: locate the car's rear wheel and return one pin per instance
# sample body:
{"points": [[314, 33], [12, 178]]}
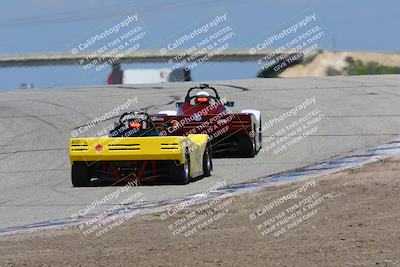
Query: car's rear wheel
{"points": [[180, 174], [207, 163], [252, 148], [80, 175], [248, 146]]}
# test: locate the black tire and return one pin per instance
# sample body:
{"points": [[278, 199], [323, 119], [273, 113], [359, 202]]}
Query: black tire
{"points": [[207, 163], [80, 175], [248, 146], [252, 150], [180, 174]]}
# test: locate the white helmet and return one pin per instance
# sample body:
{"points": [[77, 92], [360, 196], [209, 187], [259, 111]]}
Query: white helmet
{"points": [[203, 93], [202, 97]]}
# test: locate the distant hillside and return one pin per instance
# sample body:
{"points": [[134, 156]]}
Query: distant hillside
{"points": [[337, 63]]}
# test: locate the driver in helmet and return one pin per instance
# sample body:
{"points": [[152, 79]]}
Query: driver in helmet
{"points": [[202, 97]]}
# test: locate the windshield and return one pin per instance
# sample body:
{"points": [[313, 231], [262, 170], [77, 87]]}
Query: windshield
{"points": [[133, 125]]}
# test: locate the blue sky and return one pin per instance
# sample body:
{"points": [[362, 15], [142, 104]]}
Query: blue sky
{"points": [[29, 26]]}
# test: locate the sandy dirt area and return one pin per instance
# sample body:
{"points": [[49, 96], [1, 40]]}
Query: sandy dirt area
{"points": [[351, 218]]}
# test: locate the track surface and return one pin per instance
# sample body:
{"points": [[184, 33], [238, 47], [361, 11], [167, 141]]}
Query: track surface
{"points": [[35, 127]]}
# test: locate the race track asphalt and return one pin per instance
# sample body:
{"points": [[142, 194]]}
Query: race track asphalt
{"points": [[35, 126]]}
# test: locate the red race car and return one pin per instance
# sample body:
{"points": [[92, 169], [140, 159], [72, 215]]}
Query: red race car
{"points": [[205, 112]]}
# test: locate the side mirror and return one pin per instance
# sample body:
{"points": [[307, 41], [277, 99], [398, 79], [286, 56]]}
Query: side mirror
{"points": [[179, 104], [230, 104]]}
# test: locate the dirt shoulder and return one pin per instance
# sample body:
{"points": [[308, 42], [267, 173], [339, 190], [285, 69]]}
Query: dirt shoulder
{"points": [[349, 218]]}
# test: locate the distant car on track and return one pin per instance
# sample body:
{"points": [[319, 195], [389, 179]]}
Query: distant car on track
{"points": [[231, 134]]}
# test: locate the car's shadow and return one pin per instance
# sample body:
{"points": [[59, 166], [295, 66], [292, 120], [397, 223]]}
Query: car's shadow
{"points": [[154, 182]]}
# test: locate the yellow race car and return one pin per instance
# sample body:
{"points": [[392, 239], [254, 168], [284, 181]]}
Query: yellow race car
{"points": [[135, 151]]}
